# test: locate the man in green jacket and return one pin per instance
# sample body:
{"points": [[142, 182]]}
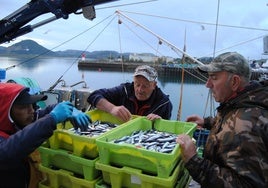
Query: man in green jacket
{"points": [[236, 152]]}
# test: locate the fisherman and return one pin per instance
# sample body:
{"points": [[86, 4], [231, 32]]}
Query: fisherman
{"points": [[141, 97], [236, 151], [22, 130]]}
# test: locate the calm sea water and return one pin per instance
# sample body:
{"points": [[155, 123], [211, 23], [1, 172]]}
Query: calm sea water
{"points": [[46, 71]]}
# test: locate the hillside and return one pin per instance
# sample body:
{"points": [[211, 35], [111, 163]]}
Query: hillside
{"points": [[26, 47], [30, 47]]}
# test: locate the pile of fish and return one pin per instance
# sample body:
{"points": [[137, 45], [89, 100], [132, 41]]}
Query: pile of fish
{"points": [[152, 140], [95, 128]]}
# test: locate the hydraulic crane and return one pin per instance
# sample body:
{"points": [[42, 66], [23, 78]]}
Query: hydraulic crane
{"points": [[14, 25]]}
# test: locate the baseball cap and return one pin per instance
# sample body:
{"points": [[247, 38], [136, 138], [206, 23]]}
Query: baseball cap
{"points": [[232, 62], [147, 72], [25, 98]]}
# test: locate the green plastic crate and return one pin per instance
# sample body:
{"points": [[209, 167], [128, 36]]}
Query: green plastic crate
{"points": [[63, 179], [80, 145], [61, 159], [134, 178], [184, 180], [150, 162], [102, 184]]}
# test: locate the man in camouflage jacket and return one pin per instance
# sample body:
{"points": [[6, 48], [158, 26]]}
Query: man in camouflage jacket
{"points": [[236, 152]]}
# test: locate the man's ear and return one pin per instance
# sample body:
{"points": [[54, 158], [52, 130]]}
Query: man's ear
{"points": [[236, 82], [155, 84]]}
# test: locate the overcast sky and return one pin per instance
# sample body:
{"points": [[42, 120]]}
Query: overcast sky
{"points": [[241, 27]]}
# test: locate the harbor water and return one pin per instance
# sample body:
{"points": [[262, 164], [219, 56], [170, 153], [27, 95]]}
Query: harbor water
{"points": [[191, 95]]}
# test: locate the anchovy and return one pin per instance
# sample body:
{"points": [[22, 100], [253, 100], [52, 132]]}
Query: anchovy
{"points": [[151, 140], [167, 139], [95, 128], [123, 139]]}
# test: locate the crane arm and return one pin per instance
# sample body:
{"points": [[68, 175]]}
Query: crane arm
{"points": [[13, 25]]}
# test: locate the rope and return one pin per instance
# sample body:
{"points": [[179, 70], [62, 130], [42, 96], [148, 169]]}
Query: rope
{"points": [[181, 94], [89, 43], [238, 44], [214, 51], [157, 48], [159, 37], [206, 106], [216, 29], [207, 23], [139, 37], [197, 22], [182, 80], [120, 43], [127, 4], [50, 50]]}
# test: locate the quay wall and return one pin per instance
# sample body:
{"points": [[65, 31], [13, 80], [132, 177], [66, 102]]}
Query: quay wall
{"points": [[162, 70]]}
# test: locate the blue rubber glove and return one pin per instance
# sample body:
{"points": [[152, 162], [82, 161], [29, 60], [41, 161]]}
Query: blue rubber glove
{"points": [[62, 111], [80, 119]]}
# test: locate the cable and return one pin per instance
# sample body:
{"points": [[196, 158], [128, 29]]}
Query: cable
{"points": [[90, 43], [182, 80], [238, 44], [197, 22], [120, 43], [216, 29], [60, 77], [114, 6], [173, 47], [138, 36]]}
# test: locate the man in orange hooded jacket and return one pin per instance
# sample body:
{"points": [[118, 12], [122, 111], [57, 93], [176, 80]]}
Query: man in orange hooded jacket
{"points": [[23, 129]]}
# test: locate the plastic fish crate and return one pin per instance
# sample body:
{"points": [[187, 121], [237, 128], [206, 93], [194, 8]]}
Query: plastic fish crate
{"points": [[80, 145], [134, 178], [184, 180], [102, 184], [150, 162], [61, 159], [63, 179]]}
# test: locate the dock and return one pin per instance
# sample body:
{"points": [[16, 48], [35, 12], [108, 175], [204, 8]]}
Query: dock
{"points": [[163, 71]]}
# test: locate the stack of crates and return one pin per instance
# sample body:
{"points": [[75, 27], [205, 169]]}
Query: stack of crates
{"points": [[125, 165], [201, 136], [69, 159]]}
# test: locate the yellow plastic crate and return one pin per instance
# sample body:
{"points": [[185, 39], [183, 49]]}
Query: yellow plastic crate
{"points": [[61, 159], [134, 178], [80, 145], [64, 179], [150, 162]]}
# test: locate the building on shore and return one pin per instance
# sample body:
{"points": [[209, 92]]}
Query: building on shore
{"points": [[144, 57], [148, 57]]}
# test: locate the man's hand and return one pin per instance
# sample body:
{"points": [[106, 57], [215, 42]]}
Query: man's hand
{"points": [[121, 112], [188, 148], [153, 117], [62, 111], [80, 119], [196, 119], [118, 111]]}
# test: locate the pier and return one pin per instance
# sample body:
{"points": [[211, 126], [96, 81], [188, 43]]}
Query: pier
{"points": [[163, 71]]}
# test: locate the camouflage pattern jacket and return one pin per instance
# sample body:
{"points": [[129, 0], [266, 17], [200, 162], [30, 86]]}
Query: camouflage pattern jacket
{"points": [[236, 152]]}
